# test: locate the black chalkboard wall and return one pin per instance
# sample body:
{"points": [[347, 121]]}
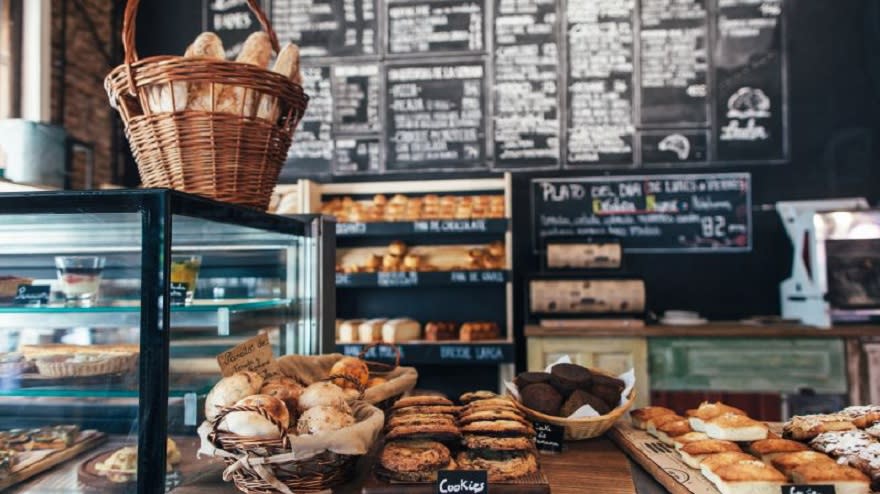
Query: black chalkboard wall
{"points": [[832, 100]]}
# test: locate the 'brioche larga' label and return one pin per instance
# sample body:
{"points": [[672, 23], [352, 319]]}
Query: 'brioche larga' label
{"points": [[254, 355]]}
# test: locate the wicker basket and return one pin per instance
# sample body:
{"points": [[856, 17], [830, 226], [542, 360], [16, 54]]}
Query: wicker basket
{"points": [[381, 369], [584, 428], [224, 156]]}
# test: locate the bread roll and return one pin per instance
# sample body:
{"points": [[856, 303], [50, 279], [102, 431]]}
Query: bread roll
{"points": [[252, 424], [371, 331], [285, 389], [287, 64], [230, 389], [257, 50], [206, 45], [323, 419], [323, 393], [351, 367], [399, 330]]}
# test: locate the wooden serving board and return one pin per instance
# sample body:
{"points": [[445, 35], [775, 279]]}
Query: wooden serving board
{"points": [[31, 463], [531, 484]]}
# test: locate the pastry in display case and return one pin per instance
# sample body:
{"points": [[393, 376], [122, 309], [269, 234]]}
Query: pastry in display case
{"points": [[118, 309]]}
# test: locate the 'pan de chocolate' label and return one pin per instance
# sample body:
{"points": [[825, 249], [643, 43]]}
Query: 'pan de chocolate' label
{"points": [[462, 482]]}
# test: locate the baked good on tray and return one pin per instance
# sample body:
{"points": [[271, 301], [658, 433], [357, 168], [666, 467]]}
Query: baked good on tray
{"points": [[747, 477], [441, 331], [500, 465], [121, 466], [691, 437], [735, 427], [694, 453], [707, 411], [414, 460], [846, 480], [641, 416], [667, 432], [476, 396], [806, 427], [768, 449], [85, 364]]}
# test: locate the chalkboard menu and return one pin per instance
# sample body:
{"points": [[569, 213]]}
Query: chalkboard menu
{"points": [[517, 85], [526, 116], [326, 27], [435, 26], [650, 213], [435, 116], [233, 21]]}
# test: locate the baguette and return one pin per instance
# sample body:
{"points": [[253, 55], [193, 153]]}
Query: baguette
{"points": [[257, 50], [206, 45], [287, 65]]}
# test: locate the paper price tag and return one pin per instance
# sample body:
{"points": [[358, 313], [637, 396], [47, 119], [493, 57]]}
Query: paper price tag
{"points": [[254, 355]]}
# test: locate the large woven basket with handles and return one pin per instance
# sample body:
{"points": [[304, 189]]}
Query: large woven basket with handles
{"points": [[233, 157]]}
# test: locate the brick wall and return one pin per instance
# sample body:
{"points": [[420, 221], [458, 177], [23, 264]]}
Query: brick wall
{"points": [[80, 60]]}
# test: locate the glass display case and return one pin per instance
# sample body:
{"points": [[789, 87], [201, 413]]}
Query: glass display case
{"points": [[113, 308]]}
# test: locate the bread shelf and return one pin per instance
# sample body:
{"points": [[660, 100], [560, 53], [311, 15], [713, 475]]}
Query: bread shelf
{"points": [[488, 352], [416, 279], [448, 227]]}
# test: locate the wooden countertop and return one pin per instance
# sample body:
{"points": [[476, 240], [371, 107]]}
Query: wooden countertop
{"points": [[597, 461], [714, 329]]}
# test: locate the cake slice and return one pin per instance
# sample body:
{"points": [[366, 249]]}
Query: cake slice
{"points": [[806, 427], [735, 427], [712, 463], [690, 437], [641, 416], [787, 462], [694, 453], [668, 431], [707, 411], [748, 477], [846, 480], [768, 449], [656, 422]]}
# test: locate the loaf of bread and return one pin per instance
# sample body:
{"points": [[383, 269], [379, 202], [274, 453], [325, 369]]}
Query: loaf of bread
{"points": [[253, 424], [441, 331], [399, 330], [287, 64], [206, 45], [348, 330], [477, 331], [231, 389], [257, 50], [371, 331]]}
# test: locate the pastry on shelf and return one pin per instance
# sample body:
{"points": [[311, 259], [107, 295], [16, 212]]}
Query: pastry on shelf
{"points": [[86, 364], [441, 331], [479, 331], [401, 330], [9, 285], [370, 331], [57, 437], [121, 466]]}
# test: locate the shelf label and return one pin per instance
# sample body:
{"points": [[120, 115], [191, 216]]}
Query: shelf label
{"points": [[351, 228], [462, 482], [343, 279], [398, 279], [807, 489], [476, 277], [549, 438], [32, 294], [254, 355], [177, 294], [450, 226]]}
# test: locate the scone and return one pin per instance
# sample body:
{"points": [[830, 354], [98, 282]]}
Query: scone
{"points": [[768, 449], [846, 480], [806, 427], [735, 427], [694, 453], [414, 461], [707, 411], [641, 416], [500, 466]]}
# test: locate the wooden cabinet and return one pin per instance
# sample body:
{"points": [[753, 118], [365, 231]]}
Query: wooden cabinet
{"points": [[614, 355]]}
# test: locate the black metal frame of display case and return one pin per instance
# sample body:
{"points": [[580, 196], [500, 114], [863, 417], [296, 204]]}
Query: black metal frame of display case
{"points": [[156, 207]]}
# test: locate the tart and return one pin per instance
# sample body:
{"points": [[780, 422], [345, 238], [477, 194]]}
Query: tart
{"points": [[85, 364]]}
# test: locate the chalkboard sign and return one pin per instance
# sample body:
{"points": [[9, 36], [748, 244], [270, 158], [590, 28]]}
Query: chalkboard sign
{"points": [[526, 85], [232, 21], [600, 72], [435, 116], [312, 150], [462, 482], [326, 27], [356, 98], [651, 213], [355, 155], [435, 26], [674, 61], [749, 80], [806, 489], [549, 438], [675, 146]]}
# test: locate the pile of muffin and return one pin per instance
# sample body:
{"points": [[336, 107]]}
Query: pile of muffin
{"points": [[404, 208], [568, 387], [423, 433]]}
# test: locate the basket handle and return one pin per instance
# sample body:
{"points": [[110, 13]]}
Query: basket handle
{"points": [[357, 384], [375, 344], [128, 35]]}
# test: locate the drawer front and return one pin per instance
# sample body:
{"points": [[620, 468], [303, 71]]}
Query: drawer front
{"points": [[748, 365]]}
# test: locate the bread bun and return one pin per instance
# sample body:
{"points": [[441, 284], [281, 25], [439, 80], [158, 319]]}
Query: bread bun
{"points": [[231, 389], [285, 389], [352, 367], [323, 419], [323, 393], [252, 424]]}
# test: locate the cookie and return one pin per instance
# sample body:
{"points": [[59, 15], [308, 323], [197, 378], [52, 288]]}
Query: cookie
{"points": [[489, 404], [476, 396], [499, 467], [542, 398], [527, 378], [419, 419], [491, 415], [414, 456], [431, 432], [501, 428], [568, 377], [475, 441], [580, 398], [424, 400], [608, 388], [426, 409]]}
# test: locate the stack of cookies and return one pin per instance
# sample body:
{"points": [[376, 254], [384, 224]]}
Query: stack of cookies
{"points": [[496, 437], [418, 433]]}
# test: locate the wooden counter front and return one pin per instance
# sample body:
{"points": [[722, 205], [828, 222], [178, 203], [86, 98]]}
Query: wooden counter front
{"points": [[597, 463]]}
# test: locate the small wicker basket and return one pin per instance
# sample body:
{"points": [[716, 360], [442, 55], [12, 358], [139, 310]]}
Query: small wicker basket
{"points": [[583, 428], [224, 156]]}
